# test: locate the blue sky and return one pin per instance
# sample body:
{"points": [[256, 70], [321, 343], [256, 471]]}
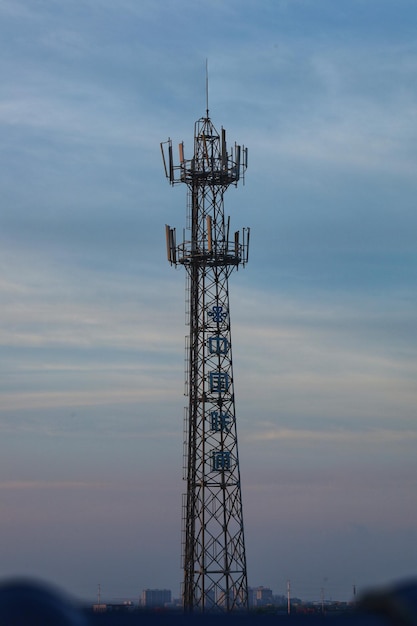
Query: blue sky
{"points": [[324, 95]]}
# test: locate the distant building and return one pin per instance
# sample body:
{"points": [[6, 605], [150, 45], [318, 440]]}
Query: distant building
{"points": [[154, 598], [240, 600], [280, 600], [260, 596], [119, 607]]}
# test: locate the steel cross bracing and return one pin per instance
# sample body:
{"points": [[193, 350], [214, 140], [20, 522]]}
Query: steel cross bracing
{"points": [[214, 558]]}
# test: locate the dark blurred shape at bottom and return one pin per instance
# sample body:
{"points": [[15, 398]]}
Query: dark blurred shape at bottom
{"points": [[30, 603], [27, 602]]}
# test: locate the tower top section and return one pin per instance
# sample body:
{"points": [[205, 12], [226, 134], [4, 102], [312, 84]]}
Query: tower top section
{"points": [[212, 164]]}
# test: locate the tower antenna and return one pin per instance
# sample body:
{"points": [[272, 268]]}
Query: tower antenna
{"points": [[214, 557]]}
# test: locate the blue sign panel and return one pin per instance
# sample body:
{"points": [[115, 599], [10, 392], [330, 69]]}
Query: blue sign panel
{"points": [[220, 461], [217, 314], [220, 421], [219, 381], [218, 345]]}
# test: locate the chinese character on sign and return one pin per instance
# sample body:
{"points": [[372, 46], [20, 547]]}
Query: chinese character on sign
{"points": [[218, 345], [220, 421], [219, 381], [221, 461], [217, 314]]}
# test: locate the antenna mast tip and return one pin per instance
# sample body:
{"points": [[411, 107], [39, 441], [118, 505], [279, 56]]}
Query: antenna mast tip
{"points": [[207, 106]]}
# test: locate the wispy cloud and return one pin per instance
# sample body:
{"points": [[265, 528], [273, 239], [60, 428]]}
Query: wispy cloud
{"points": [[99, 397], [372, 437], [34, 485]]}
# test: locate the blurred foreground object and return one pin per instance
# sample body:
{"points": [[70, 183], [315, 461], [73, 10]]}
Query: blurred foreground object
{"points": [[30, 603], [397, 604], [26, 602]]}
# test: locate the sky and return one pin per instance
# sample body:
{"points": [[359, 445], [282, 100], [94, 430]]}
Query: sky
{"points": [[324, 316]]}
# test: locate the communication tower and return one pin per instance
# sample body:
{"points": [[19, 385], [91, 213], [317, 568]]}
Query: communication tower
{"points": [[214, 560]]}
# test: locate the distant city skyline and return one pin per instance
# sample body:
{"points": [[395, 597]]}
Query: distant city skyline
{"points": [[259, 595], [323, 94]]}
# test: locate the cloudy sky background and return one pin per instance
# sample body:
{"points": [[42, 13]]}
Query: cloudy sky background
{"points": [[324, 95]]}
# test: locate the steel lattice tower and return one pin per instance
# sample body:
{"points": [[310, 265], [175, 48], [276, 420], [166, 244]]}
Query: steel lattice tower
{"points": [[214, 559]]}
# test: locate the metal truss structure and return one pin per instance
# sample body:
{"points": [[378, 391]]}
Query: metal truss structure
{"points": [[214, 559]]}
